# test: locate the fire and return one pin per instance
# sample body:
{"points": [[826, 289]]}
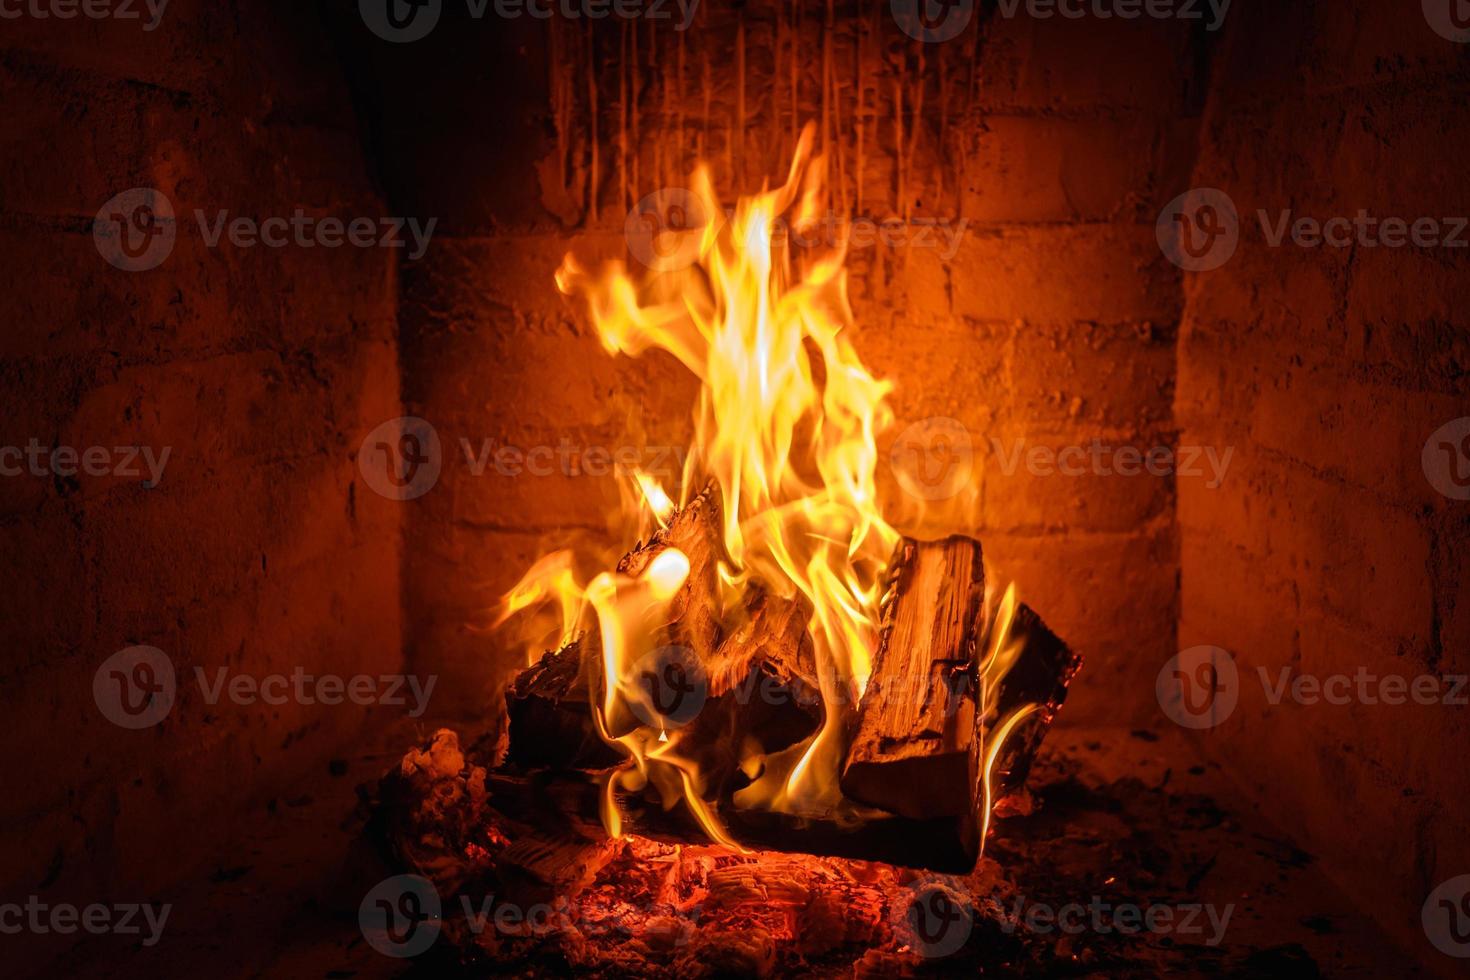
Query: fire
{"points": [[785, 426]]}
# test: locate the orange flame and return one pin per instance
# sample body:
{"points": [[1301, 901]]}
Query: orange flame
{"points": [[786, 425]]}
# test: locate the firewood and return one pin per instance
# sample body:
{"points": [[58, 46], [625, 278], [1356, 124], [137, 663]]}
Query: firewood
{"points": [[1040, 676], [566, 802], [550, 713], [694, 611], [761, 685], [915, 740]]}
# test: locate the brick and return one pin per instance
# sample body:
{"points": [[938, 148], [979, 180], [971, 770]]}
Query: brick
{"points": [[1107, 273], [1035, 169]]}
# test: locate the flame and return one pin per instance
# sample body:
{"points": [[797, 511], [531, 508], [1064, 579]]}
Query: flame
{"points": [[785, 426]]}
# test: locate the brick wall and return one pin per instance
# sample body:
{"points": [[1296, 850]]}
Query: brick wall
{"points": [[257, 369], [1326, 550], [1052, 323]]}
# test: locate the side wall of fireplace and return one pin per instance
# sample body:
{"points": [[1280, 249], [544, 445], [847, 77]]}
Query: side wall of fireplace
{"points": [[1326, 550], [260, 370]]}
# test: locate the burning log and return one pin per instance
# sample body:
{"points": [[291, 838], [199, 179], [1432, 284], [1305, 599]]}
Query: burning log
{"points": [[916, 740], [694, 611], [550, 713], [759, 684], [1040, 676]]}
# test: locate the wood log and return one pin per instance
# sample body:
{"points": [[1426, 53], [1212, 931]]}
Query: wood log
{"points": [[1040, 676], [915, 740], [694, 611], [550, 713], [761, 685], [565, 802]]}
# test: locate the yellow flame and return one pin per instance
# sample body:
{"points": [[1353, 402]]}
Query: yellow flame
{"points": [[786, 425]]}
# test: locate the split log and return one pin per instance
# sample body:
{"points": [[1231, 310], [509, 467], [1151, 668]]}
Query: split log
{"points": [[1039, 676], [694, 611], [550, 713], [915, 740], [760, 684]]}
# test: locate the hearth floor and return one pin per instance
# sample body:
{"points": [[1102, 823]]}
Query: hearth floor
{"points": [[1120, 817]]}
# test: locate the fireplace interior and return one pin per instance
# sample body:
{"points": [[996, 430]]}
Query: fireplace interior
{"points": [[1082, 561]]}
